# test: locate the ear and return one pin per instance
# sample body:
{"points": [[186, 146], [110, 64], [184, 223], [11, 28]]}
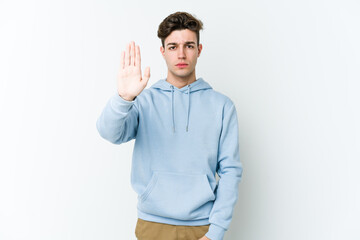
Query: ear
{"points": [[199, 49], [162, 50]]}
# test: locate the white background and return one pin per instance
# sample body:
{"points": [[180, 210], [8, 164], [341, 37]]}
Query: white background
{"points": [[291, 68]]}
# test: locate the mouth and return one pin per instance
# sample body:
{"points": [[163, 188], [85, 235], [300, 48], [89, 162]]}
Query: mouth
{"points": [[181, 65]]}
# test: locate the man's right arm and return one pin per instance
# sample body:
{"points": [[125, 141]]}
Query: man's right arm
{"points": [[118, 121]]}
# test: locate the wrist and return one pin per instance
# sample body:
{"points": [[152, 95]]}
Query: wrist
{"points": [[127, 98]]}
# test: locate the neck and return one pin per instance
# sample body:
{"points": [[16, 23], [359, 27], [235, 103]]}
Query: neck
{"points": [[180, 82]]}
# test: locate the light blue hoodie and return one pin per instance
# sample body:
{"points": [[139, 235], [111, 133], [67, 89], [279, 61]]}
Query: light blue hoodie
{"points": [[183, 137]]}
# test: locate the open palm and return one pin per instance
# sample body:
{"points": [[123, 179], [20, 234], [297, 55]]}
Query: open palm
{"points": [[130, 80]]}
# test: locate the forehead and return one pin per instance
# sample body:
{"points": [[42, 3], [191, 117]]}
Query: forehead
{"points": [[181, 36]]}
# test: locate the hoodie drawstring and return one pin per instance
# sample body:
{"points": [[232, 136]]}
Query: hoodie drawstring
{"points": [[172, 108], [188, 110], [164, 85]]}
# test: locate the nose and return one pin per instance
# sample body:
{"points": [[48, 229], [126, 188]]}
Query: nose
{"points": [[181, 52]]}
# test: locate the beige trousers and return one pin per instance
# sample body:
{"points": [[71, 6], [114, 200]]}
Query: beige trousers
{"points": [[146, 230]]}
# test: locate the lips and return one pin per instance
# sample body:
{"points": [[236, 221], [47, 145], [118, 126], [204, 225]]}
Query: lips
{"points": [[181, 65]]}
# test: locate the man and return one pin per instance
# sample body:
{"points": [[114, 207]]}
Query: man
{"points": [[185, 132]]}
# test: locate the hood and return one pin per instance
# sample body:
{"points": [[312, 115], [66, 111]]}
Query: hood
{"points": [[198, 85]]}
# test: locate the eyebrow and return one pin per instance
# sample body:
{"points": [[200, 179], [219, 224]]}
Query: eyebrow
{"points": [[173, 43]]}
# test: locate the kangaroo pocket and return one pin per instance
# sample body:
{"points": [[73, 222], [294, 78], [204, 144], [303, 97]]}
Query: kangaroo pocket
{"points": [[177, 195]]}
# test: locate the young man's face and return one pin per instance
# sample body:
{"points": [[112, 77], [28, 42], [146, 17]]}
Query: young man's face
{"points": [[181, 53]]}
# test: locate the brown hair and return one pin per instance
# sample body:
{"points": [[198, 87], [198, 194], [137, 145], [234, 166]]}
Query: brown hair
{"points": [[179, 21]]}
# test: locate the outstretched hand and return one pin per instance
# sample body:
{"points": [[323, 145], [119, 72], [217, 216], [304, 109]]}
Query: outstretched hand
{"points": [[130, 81]]}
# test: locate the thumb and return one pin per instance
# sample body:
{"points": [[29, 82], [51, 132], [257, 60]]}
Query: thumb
{"points": [[146, 75]]}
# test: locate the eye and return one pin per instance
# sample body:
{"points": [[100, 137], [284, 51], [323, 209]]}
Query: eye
{"points": [[190, 46], [171, 48]]}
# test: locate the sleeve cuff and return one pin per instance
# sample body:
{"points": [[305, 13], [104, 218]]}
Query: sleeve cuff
{"points": [[215, 232], [120, 104]]}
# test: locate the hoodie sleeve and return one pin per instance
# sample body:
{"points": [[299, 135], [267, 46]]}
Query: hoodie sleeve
{"points": [[229, 169], [118, 122]]}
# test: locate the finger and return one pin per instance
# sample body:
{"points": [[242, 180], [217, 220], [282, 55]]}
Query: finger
{"points": [[127, 55], [146, 75], [138, 57], [132, 54], [122, 60]]}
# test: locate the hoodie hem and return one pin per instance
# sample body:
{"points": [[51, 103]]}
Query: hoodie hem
{"points": [[171, 221]]}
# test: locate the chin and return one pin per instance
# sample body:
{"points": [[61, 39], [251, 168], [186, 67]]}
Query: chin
{"points": [[183, 75]]}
